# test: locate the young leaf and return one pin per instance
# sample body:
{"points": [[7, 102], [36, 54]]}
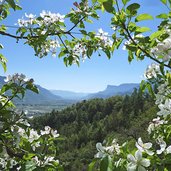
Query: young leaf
{"points": [[133, 8], [164, 1], [162, 16], [142, 17], [142, 29], [108, 6], [125, 1]]}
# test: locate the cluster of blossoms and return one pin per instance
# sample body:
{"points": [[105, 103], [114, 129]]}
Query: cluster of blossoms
{"points": [[5, 160], [163, 50], [163, 92], [162, 100], [135, 40], [46, 161], [156, 122], [108, 150], [31, 19], [163, 146], [82, 8], [137, 162], [49, 46], [165, 109], [18, 78], [50, 18], [79, 50], [104, 40], [47, 19], [152, 71]]}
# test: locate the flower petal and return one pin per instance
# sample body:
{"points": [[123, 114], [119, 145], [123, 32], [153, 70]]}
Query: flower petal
{"points": [[149, 152], [138, 155], [131, 158], [168, 150], [141, 168], [147, 145], [131, 167], [145, 162]]}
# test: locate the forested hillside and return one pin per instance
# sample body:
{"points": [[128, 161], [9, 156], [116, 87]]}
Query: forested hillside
{"points": [[84, 124]]}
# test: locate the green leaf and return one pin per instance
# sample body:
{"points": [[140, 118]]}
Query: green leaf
{"points": [[162, 16], [12, 4], [130, 56], [91, 165], [142, 17], [32, 88], [164, 1], [30, 165], [108, 6], [17, 7], [106, 164], [101, 1], [3, 62], [107, 52], [156, 34], [94, 1], [89, 52], [132, 9], [142, 29], [125, 1]]}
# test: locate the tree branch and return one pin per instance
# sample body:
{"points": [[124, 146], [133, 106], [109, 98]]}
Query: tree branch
{"points": [[139, 47]]}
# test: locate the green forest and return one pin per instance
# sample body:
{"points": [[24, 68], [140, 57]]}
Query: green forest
{"points": [[84, 124]]}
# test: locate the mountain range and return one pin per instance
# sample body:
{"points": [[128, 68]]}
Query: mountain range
{"points": [[112, 90], [56, 97]]}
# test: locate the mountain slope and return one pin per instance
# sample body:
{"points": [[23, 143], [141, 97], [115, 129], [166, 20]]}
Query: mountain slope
{"points": [[44, 96], [112, 90], [69, 94]]}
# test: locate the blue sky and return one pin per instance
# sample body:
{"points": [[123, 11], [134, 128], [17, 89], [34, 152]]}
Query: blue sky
{"points": [[93, 75]]}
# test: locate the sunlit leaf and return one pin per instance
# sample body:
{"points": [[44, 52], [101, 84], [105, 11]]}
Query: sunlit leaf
{"points": [[142, 17]]}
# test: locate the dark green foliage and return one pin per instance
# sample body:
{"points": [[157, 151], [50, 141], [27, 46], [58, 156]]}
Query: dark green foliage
{"points": [[84, 124]]}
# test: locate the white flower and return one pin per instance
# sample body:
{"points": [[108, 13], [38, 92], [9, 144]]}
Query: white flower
{"points": [[101, 151], [163, 49], [8, 78], [163, 146], [163, 92], [165, 109], [12, 163], [104, 38], [37, 161], [37, 144], [48, 159], [46, 131], [137, 162], [54, 133], [144, 147], [50, 18], [156, 122], [30, 16], [79, 51], [152, 71], [3, 162], [135, 38], [23, 121], [33, 136]]}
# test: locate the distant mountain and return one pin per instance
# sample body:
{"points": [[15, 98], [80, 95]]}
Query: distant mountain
{"points": [[44, 96], [113, 90], [69, 94]]}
